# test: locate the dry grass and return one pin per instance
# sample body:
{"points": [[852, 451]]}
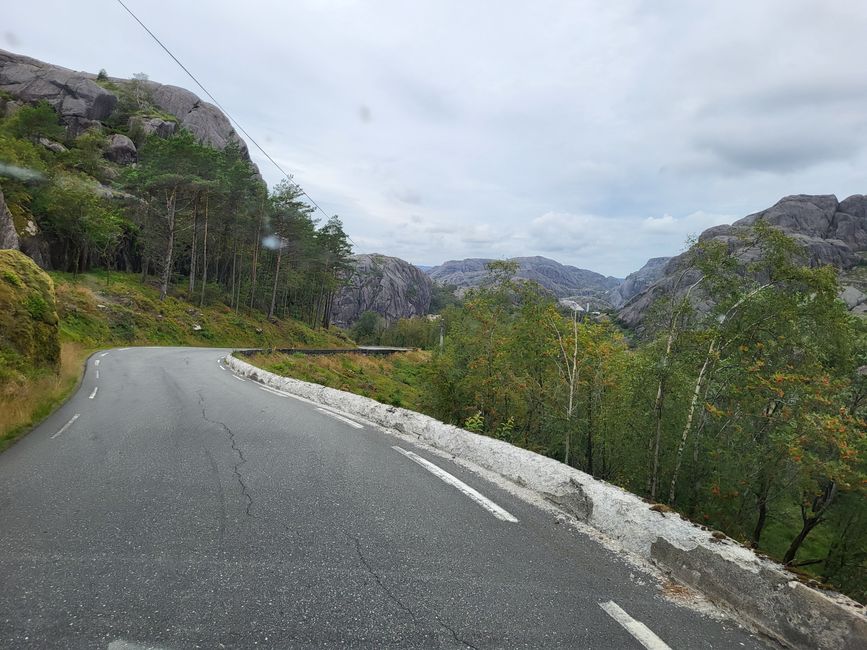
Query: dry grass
{"points": [[35, 398]]}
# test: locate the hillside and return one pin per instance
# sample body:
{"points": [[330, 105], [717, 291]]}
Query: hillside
{"points": [[829, 232], [389, 286], [560, 279]]}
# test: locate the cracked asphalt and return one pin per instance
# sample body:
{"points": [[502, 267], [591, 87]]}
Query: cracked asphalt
{"points": [[185, 508]]}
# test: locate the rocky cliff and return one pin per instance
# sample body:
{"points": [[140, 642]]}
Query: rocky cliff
{"points": [[638, 281], [388, 286], [82, 103], [561, 280], [830, 231]]}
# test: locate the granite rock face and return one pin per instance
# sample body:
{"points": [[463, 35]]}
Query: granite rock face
{"points": [[639, 280], [8, 234], [82, 103], [831, 232], [389, 286], [560, 279], [78, 99]]}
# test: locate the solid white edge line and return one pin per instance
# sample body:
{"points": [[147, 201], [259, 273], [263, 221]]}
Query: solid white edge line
{"points": [[476, 496], [238, 378], [637, 629], [93, 394], [337, 416], [67, 425]]}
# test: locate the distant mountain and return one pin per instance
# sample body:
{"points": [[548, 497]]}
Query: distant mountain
{"points": [[562, 280], [389, 286], [639, 280], [832, 233]]}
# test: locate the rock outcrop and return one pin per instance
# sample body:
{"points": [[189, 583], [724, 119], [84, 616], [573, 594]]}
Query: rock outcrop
{"points": [[639, 280], [8, 234], [831, 232], [121, 150], [83, 103], [389, 286], [78, 99], [561, 280], [153, 126]]}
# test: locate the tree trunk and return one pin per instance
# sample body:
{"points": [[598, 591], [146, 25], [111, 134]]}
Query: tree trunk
{"points": [[204, 255], [688, 426], [255, 264], [762, 505], [170, 244], [820, 505], [276, 278], [193, 251]]}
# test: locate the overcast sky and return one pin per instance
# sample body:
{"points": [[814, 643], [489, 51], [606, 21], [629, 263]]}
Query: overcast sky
{"points": [[596, 133]]}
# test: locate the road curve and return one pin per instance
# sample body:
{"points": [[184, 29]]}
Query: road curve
{"points": [[171, 504]]}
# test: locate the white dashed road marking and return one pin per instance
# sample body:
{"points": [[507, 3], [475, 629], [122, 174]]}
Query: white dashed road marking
{"points": [[337, 416], [103, 354], [637, 629], [93, 394], [96, 363], [482, 500], [67, 425], [97, 373]]}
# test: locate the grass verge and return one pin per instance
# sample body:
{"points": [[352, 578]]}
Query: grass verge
{"points": [[37, 397], [396, 379]]}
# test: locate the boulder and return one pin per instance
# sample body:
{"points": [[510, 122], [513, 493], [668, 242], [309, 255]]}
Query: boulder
{"points": [[121, 150], [153, 126], [51, 145], [8, 234], [389, 286], [852, 297]]}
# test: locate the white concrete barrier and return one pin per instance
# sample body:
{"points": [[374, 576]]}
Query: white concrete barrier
{"points": [[757, 589]]}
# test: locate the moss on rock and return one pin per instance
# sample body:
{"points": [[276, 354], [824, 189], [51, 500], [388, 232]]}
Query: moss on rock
{"points": [[29, 332]]}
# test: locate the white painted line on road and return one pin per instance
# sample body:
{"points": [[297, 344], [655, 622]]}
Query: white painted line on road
{"points": [[637, 629], [337, 416], [97, 373], [238, 378], [122, 349], [330, 409], [96, 363], [103, 354], [93, 394], [67, 425], [476, 496]]}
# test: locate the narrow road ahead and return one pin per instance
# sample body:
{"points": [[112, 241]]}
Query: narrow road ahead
{"points": [[171, 504]]}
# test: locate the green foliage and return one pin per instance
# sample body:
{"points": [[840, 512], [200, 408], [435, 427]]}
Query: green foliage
{"points": [[33, 122], [475, 423]]}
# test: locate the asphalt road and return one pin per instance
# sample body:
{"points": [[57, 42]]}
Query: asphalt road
{"points": [[170, 504]]}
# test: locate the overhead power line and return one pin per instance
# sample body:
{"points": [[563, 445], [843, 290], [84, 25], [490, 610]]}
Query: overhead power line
{"points": [[225, 112]]}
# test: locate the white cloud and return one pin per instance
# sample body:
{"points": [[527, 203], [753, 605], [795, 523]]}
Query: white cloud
{"points": [[597, 133]]}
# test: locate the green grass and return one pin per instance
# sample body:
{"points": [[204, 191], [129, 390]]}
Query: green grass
{"points": [[396, 379], [125, 312]]}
